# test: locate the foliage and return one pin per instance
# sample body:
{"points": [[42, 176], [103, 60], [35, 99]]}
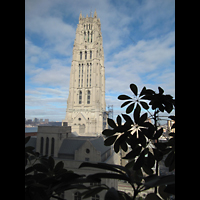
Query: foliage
{"points": [[143, 139], [45, 179]]}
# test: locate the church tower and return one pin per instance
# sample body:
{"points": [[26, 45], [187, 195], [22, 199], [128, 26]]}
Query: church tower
{"points": [[86, 107]]}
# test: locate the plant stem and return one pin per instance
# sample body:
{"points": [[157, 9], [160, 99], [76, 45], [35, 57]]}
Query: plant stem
{"points": [[155, 124]]}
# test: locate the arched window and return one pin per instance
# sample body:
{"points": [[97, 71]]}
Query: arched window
{"points": [[81, 55], [96, 197], [85, 55], [91, 36], [77, 196], [52, 147], [88, 35], [88, 97], [84, 35], [41, 145], [80, 97], [90, 54], [47, 147]]}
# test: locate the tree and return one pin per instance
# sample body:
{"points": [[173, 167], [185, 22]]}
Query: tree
{"points": [[45, 179]]}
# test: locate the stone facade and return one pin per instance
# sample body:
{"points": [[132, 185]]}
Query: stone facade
{"points": [[86, 107], [60, 143]]}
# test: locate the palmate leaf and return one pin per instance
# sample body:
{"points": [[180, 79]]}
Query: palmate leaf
{"points": [[129, 109], [134, 89], [111, 123], [109, 141], [123, 97], [125, 103]]}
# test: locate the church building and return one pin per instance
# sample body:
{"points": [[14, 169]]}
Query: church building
{"points": [[86, 107]]}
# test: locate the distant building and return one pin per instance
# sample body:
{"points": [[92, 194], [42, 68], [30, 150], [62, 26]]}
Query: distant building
{"points": [[86, 106], [60, 143], [46, 121]]}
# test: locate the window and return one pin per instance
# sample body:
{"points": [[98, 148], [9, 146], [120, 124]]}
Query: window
{"points": [[88, 35], [41, 145], [77, 196], [85, 55], [87, 151], [90, 54], [47, 147], [87, 159], [80, 97], [84, 35], [81, 55], [52, 147], [88, 97]]}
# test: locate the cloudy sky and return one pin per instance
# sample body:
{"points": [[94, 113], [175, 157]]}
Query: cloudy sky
{"points": [[138, 41]]}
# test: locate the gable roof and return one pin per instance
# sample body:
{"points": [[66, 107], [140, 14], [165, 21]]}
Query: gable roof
{"points": [[69, 145]]}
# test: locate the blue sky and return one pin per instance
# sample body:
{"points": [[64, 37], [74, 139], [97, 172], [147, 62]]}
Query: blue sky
{"points": [[138, 41]]}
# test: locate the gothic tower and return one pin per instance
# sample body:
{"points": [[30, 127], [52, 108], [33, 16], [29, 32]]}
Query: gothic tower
{"points": [[86, 107]]}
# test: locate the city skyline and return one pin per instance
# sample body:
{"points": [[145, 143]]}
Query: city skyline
{"points": [[138, 42]]}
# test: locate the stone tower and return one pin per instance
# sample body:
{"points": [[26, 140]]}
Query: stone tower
{"points": [[86, 107]]}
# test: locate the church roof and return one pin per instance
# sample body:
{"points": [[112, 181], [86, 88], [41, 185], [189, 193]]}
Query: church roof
{"points": [[69, 145]]}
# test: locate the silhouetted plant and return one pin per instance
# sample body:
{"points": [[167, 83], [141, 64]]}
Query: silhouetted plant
{"points": [[44, 179], [140, 135]]}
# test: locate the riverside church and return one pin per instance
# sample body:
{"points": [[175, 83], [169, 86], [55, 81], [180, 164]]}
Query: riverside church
{"points": [[86, 107]]}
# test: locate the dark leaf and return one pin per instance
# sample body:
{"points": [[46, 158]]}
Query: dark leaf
{"points": [[29, 149], [40, 168], [172, 166], [92, 192], [134, 89], [108, 132], [170, 189], [125, 103], [132, 154], [119, 120], [129, 121], [124, 146], [109, 141], [152, 196], [142, 91], [58, 167], [123, 97], [161, 146], [27, 139], [147, 169], [150, 160], [142, 118], [169, 159], [111, 123], [109, 175], [136, 114], [161, 91], [163, 194], [158, 133], [29, 169], [104, 166], [130, 108], [172, 117], [116, 146], [112, 194], [144, 105], [140, 160], [157, 154]]}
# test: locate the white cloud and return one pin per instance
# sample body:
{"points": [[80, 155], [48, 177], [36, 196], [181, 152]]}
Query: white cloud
{"points": [[138, 41]]}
